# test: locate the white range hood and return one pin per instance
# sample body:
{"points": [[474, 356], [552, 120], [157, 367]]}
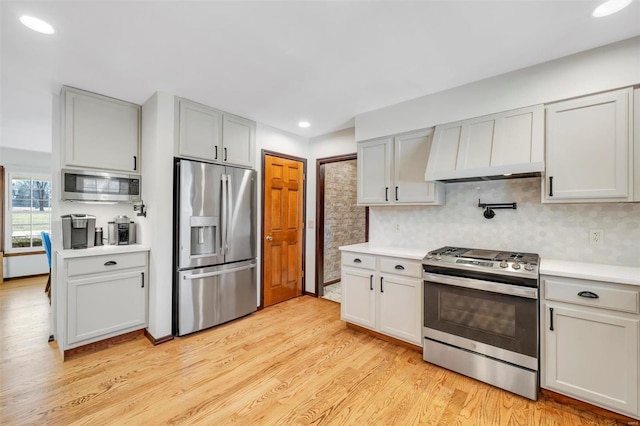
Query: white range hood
{"points": [[497, 146]]}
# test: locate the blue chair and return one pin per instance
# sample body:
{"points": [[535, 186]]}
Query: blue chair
{"points": [[46, 242]]}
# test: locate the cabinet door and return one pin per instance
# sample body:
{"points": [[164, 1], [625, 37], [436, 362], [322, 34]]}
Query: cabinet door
{"points": [[104, 305], [200, 131], [358, 297], [475, 143], [592, 356], [374, 171], [238, 140], [411, 154], [588, 148], [101, 132], [519, 138], [399, 303]]}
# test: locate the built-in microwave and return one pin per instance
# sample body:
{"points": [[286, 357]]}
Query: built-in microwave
{"points": [[83, 185]]}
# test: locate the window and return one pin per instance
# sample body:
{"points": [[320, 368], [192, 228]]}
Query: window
{"points": [[29, 211]]}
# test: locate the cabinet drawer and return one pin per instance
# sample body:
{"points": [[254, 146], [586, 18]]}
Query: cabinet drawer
{"points": [[107, 263], [398, 266], [608, 295], [358, 260]]}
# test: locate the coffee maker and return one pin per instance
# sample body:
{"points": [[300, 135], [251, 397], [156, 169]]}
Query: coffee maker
{"points": [[78, 231], [121, 231]]}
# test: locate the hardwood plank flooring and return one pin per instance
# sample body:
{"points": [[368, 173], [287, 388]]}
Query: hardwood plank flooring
{"points": [[292, 363]]}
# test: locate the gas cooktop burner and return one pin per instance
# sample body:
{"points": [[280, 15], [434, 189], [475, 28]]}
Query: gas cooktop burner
{"points": [[494, 261]]}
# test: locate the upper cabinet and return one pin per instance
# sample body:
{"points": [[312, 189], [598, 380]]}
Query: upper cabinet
{"points": [[100, 132], [507, 143], [590, 149], [390, 171], [208, 134]]}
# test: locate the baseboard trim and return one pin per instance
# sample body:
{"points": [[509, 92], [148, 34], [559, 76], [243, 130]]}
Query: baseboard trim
{"points": [[159, 340], [337, 280], [581, 405], [26, 276], [384, 337], [308, 293], [102, 344]]}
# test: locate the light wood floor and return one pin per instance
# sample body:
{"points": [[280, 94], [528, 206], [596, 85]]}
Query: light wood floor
{"points": [[292, 363]]}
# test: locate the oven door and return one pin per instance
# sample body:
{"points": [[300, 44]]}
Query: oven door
{"points": [[494, 319]]}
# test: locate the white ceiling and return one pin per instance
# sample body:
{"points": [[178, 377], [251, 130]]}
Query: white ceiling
{"points": [[279, 62]]}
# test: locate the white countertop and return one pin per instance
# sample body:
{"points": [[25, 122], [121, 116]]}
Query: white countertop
{"points": [[590, 271], [415, 253], [102, 250]]}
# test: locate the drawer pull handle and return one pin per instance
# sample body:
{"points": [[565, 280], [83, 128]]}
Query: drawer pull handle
{"points": [[400, 267], [110, 263], [588, 294], [371, 282], [356, 260]]}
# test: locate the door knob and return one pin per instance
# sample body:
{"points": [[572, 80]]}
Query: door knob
{"points": [[269, 238]]}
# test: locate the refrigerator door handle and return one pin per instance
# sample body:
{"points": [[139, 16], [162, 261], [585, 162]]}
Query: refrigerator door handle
{"points": [[220, 272], [223, 239], [230, 213]]}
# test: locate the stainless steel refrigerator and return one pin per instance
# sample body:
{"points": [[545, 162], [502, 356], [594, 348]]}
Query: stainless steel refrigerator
{"points": [[214, 245]]}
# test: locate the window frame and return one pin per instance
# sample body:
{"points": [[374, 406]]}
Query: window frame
{"points": [[10, 175]]}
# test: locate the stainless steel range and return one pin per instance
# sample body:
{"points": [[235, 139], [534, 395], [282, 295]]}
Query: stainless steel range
{"points": [[481, 316]]}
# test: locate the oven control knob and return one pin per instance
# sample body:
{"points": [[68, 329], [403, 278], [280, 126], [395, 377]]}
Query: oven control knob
{"points": [[504, 264], [516, 266], [429, 256], [528, 267], [438, 257]]}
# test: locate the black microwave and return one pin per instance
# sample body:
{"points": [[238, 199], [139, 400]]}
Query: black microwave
{"points": [[82, 185]]}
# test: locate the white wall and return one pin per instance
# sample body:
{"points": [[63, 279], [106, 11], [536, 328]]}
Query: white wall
{"points": [[272, 139], [156, 230], [330, 145], [608, 67]]}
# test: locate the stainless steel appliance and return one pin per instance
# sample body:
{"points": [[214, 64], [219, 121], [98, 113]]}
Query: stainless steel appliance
{"points": [[121, 231], [81, 185], [215, 245], [481, 316], [78, 231]]}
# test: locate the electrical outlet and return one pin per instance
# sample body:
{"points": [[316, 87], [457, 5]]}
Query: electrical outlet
{"points": [[596, 236], [397, 227]]}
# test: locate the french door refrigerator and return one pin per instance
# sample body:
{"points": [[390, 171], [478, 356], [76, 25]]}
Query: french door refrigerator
{"points": [[214, 245]]}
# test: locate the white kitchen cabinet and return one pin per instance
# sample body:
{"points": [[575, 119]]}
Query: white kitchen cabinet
{"points": [[510, 142], [108, 303], [390, 171], [208, 134], [100, 296], [590, 343], [238, 139], [590, 149], [383, 294], [100, 132]]}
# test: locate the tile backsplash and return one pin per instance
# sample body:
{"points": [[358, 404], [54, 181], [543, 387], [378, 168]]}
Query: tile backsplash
{"points": [[558, 231]]}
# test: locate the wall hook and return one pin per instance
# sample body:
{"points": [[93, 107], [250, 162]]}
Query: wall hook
{"points": [[490, 207]]}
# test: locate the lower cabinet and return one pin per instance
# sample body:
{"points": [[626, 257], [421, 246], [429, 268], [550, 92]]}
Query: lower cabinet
{"points": [[98, 297], [389, 303], [105, 304], [590, 347]]}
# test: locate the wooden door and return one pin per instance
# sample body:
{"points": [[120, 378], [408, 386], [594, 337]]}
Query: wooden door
{"points": [[283, 228]]}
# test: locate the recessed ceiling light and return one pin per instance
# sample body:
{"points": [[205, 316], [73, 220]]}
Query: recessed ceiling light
{"points": [[610, 7], [304, 124], [37, 24]]}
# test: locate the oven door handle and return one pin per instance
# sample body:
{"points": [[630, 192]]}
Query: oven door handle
{"points": [[511, 290]]}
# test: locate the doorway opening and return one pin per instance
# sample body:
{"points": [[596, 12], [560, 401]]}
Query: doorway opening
{"points": [[339, 220], [283, 216]]}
